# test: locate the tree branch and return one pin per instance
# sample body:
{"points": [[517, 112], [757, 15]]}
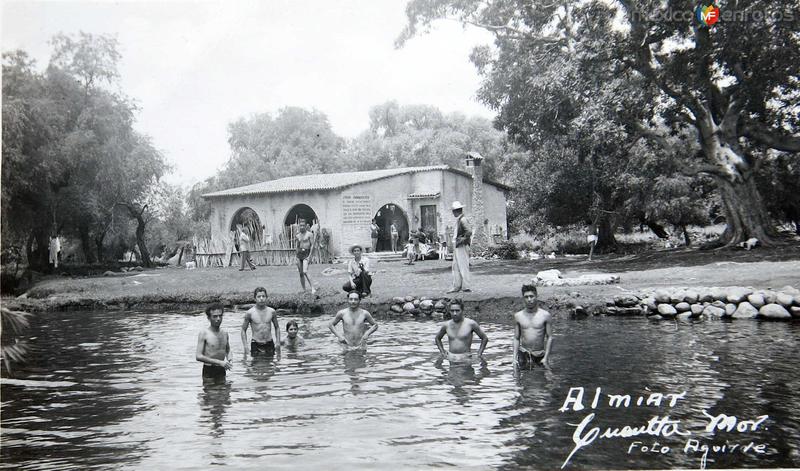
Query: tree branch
{"points": [[770, 138]]}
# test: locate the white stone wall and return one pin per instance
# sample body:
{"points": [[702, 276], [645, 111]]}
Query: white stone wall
{"points": [[273, 208]]}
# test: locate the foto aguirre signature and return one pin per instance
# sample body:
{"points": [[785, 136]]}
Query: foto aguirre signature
{"points": [[586, 432]]}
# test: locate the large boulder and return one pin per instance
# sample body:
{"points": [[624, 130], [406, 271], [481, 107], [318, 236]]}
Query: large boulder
{"points": [[439, 306], [713, 312], [737, 295], [729, 309], [770, 297], [774, 311], [399, 300], [409, 307], [677, 297], [785, 300], [691, 297], [683, 307], [667, 310], [795, 311], [706, 296], [719, 294], [684, 316], [756, 300], [650, 302], [745, 310], [696, 309], [396, 308], [626, 300], [662, 296], [409, 299], [790, 290], [426, 305]]}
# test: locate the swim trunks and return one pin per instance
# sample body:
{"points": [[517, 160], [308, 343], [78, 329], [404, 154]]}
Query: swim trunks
{"points": [[214, 372], [302, 254], [460, 357], [258, 348], [529, 359]]}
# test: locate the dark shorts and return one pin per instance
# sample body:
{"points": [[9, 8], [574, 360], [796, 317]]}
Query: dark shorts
{"points": [[213, 372], [302, 254], [528, 359], [258, 348]]}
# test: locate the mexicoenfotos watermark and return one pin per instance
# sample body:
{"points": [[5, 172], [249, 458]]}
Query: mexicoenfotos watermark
{"points": [[709, 15]]}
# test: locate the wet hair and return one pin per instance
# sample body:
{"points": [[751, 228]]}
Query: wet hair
{"points": [[457, 301], [214, 307], [290, 324], [259, 289], [529, 287], [353, 292]]}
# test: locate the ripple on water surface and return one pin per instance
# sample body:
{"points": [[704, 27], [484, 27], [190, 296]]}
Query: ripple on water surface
{"points": [[122, 390]]}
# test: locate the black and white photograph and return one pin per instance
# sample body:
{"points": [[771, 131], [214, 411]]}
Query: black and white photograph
{"points": [[400, 234]]}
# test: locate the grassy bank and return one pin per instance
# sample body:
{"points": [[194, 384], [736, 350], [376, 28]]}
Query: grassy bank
{"points": [[173, 288]]}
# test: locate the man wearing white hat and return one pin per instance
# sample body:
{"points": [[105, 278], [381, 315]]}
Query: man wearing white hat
{"points": [[462, 239]]}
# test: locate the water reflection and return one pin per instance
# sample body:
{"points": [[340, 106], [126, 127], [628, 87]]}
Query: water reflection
{"points": [[461, 376], [214, 401]]}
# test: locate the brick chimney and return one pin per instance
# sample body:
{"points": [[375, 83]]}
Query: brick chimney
{"points": [[480, 239]]}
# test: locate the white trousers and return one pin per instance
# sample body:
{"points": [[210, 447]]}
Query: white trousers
{"points": [[461, 267]]}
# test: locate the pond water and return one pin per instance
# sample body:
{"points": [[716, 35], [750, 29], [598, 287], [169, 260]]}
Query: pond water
{"points": [[122, 390]]}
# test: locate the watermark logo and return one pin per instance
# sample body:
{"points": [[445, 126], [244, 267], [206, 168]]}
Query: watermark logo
{"points": [[707, 15]]}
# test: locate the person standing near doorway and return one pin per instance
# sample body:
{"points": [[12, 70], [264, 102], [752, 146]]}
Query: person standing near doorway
{"points": [[462, 240], [395, 236], [244, 249], [374, 231], [304, 242]]}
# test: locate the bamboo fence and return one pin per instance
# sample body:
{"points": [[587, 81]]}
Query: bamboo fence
{"points": [[277, 249]]}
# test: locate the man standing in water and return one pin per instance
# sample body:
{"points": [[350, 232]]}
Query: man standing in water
{"points": [[463, 238], [305, 240], [354, 323], [533, 332], [459, 332], [213, 347], [261, 319]]}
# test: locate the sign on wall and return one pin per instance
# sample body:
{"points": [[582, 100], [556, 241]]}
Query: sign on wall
{"points": [[356, 218], [356, 209]]}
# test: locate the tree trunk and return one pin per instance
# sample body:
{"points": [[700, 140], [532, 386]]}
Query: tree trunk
{"points": [[686, 238], [86, 244], [606, 242], [745, 212], [140, 242], [39, 260], [98, 243], [657, 229]]}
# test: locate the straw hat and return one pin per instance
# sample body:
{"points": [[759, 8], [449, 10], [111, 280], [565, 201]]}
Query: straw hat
{"points": [[457, 205], [356, 246]]}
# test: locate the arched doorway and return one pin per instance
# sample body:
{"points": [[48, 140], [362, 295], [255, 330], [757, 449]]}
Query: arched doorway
{"points": [[250, 222], [387, 214], [300, 211]]}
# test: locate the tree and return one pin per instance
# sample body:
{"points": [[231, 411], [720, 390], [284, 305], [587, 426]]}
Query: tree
{"points": [[734, 85], [68, 140]]}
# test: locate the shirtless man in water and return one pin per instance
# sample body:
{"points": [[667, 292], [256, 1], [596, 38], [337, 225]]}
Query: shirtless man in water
{"points": [[354, 323], [261, 319], [305, 240], [533, 332], [213, 347], [459, 332]]}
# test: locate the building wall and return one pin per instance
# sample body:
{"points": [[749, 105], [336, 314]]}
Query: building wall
{"points": [[347, 213]]}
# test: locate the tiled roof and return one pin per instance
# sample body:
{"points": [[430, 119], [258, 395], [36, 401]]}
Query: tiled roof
{"points": [[329, 181]]}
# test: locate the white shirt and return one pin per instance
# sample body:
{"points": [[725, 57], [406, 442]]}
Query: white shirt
{"points": [[352, 266]]}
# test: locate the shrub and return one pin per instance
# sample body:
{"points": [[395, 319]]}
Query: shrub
{"points": [[506, 250]]}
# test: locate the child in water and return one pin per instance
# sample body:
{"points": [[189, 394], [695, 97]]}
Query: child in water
{"points": [[292, 340]]}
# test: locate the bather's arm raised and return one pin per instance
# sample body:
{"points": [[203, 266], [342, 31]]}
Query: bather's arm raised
{"points": [[332, 328], [439, 337], [374, 326]]}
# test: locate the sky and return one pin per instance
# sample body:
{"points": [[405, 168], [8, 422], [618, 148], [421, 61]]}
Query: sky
{"points": [[192, 67]]}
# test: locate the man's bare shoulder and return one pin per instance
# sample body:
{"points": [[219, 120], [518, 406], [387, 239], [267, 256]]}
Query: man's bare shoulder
{"points": [[543, 315], [342, 312]]}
